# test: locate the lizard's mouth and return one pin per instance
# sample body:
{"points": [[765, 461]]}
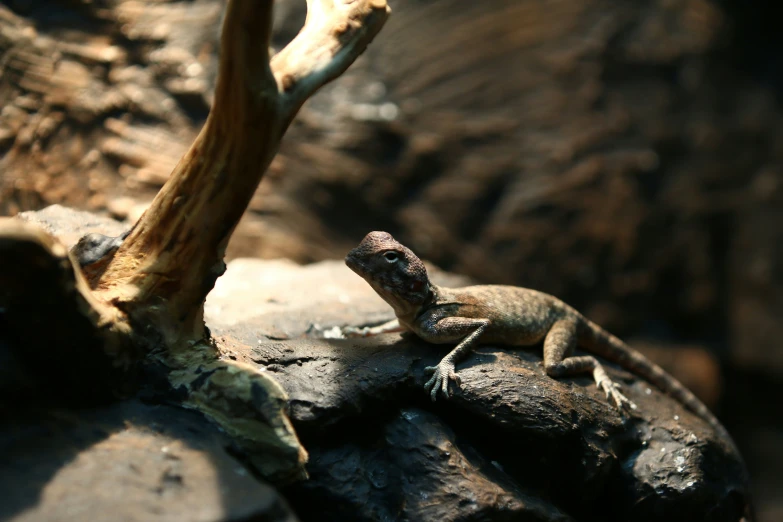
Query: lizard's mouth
{"points": [[354, 264]]}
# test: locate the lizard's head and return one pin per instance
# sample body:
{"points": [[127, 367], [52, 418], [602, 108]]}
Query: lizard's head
{"points": [[392, 269]]}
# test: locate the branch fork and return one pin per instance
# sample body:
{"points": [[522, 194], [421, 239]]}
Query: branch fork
{"points": [[175, 253]]}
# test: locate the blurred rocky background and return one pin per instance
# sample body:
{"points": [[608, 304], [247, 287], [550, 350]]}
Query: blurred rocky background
{"points": [[625, 156]]}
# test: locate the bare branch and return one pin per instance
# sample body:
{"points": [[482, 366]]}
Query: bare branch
{"points": [[145, 310], [335, 33], [165, 268]]}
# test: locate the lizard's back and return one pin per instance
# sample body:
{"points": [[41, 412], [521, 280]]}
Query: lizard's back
{"points": [[518, 316]]}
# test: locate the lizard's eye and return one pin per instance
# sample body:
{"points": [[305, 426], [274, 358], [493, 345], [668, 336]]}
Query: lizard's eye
{"points": [[391, 257]]}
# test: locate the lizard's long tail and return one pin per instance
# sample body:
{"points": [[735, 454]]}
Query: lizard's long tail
{"points": [[604, 344]]}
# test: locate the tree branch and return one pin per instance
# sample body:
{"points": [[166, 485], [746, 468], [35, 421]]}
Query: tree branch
{"points": [[143, 309], [335, 33], [165, 268]]}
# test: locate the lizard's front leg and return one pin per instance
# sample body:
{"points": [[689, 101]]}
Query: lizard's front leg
{"points": [[449, 328], [559, 342]]}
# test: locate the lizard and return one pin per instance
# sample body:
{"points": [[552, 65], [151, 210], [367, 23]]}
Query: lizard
{"points": [[501, 314]]}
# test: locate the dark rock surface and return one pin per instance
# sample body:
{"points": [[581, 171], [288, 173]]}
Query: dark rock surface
{"points": [[414, 468], [128, 461], [511, 444]]}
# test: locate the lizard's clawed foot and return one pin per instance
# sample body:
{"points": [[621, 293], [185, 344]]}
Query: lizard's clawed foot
{"points": [[441, 374], [612, 390]]}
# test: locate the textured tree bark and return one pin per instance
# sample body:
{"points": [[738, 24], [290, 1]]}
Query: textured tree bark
{"points": [[165, 268]]}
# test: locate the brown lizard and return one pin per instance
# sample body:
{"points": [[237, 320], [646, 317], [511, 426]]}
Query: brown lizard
{"points": [[500, 314]]}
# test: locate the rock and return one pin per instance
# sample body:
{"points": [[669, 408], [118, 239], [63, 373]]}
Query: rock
{"points": [[69, 225], [128, 461], [632, 171], [48, 326], [512, 443], [281, 300], [414, 468], [560, 438], [64, 350], [553, 439]]}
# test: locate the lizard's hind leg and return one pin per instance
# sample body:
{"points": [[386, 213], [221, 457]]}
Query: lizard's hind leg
{"points": [[559, 344]]}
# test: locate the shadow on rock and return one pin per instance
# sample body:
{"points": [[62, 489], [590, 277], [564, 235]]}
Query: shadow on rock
{"points": [[129, 461], [414, 468]]}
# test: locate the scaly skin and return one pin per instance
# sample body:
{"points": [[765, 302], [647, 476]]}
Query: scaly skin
{"points": [[503, 315]]}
